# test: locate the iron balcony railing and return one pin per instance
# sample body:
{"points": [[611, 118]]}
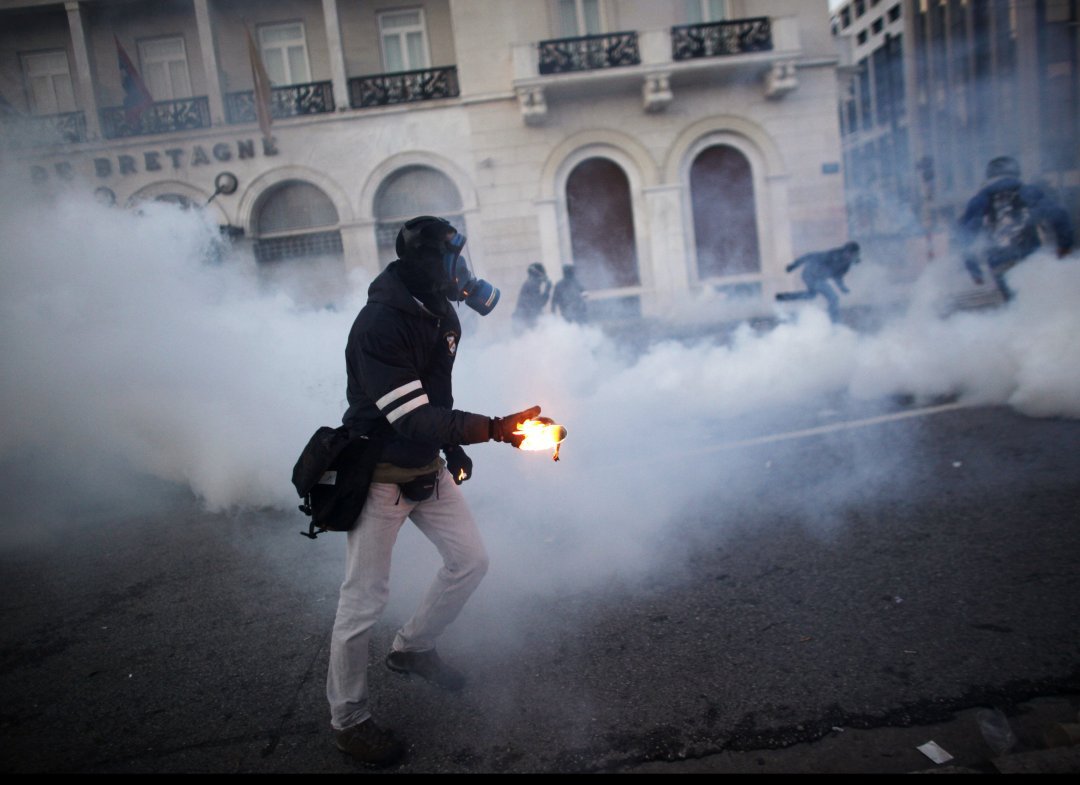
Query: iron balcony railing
{"points": [[715, 39], [589, 53], [286, 101], [402, 87], [161, 117], [40, 130]]}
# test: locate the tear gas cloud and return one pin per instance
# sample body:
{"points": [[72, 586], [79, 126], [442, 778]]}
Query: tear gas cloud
{"points": [[131, 349]]}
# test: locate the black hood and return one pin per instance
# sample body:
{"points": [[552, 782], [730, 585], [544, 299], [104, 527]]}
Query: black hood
{"points": [[392, 287]]}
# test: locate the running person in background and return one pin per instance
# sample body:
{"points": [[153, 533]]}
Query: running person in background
{"points": [[1001, 224], [820, 269]]}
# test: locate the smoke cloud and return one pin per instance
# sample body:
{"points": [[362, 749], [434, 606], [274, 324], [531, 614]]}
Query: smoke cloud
{"points": [[134, 347]]}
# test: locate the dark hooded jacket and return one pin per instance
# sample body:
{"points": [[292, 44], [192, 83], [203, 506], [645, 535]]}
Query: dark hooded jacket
{"points": [[1033, 208], [399, 359], [834, 264]]}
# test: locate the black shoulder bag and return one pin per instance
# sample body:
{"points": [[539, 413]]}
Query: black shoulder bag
{"points": [[332, 476]]}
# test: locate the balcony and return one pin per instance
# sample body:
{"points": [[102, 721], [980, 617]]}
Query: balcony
{"points": [[161, 117], [719, 39], [42, 130], [287, 101], [403, 87], [656, 62], [588, 52]]}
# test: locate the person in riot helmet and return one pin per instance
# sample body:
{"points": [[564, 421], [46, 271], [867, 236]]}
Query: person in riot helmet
{"points": [[399, 358], [1000, 226], [819, 270], [568, 297], [533, 296]]}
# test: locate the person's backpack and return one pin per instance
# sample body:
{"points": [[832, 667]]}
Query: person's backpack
{"points": [[1009, 220], [332, 476]]}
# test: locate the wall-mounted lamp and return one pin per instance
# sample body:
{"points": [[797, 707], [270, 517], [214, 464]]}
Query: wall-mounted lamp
{"points": [[225, 183], [105, 196]]}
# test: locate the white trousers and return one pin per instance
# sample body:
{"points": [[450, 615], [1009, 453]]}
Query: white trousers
{"points": [[445, 519]]}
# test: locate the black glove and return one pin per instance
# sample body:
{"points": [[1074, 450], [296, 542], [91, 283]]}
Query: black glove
{"points": [[502, 428], [458, 464], [789, 268]]}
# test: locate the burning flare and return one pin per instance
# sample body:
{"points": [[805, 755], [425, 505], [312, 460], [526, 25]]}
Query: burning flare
{"points": [[541, 433]]}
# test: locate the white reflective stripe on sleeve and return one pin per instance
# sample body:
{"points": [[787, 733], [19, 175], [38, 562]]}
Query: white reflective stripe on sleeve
{"points": [[407, 407], [400, 392]]}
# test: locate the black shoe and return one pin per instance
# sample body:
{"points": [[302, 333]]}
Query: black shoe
{"points": [[427, 665], [369, 743]]}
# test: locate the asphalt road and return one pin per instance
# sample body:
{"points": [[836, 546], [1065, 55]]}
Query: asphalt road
{"points": [[826, 631]]}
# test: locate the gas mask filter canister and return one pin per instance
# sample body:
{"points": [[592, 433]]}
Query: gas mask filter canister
{"points": [[476, 293]]}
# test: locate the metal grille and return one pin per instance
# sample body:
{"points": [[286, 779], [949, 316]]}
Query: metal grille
{"points": [[161, 117], [298, 246], [714, 39], [288, 101], [588, 53], [403, 87]]}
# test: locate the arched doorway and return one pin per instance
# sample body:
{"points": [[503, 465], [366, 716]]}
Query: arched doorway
{"points": [[600, 213], [408, 192], [298, 243], [725, 217], [181, 201]]}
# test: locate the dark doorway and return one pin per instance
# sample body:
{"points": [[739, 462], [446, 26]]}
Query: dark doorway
{"points": [[725, 221], [602, 225]]}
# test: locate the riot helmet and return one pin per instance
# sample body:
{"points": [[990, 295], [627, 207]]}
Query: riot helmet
{"points": [[1003, 166]]}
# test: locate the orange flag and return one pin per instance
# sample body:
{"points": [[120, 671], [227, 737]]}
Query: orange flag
{"points": [[262, 86]]}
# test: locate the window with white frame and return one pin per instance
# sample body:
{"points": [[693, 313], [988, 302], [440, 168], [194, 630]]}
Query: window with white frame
{"points": [[579, 17], [48, 81], [404, 40], [165, 68], [703, 11], [284, 53]]}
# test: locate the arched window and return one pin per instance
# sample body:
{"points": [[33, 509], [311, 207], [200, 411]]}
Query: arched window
{"points": [[407, 193], [725, 219], [602, 225], [293, 205], [298, 243]]}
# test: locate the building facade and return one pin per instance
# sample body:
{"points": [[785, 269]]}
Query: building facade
{"points": [[931, 90], [663, 148], [873, 116]]}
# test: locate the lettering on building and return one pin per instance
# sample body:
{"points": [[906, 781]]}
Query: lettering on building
{"points": [[169, 159]]}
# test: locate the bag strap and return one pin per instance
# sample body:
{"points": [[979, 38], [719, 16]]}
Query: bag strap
{"points": [[305, 508]]}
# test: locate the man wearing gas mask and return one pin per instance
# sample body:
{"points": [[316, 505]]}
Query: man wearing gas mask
{"points": [[399, 358]]}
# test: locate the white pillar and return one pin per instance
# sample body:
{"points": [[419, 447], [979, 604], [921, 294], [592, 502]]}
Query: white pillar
{"points": [[552, 254], [88, 100], [359, 248], [337, 55], [210, 63], [669, 276]]}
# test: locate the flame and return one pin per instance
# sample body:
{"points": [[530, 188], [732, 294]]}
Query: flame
{"points": [[541, 433], [461, 475]]}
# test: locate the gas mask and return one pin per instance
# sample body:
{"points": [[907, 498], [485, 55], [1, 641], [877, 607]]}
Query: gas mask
{"points": [[462, 285]]}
